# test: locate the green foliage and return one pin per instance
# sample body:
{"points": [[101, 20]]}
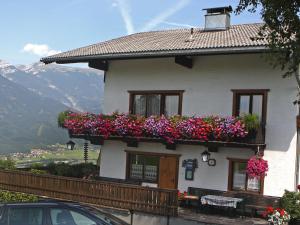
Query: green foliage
{"points": [[62, 116], [11, 197], [7, 164], [291, 203], [76, 170], [36, 171], [281, 30], [36, 166], [251, 121]]}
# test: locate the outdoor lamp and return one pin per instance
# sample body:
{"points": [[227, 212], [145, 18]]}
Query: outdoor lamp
{"points": [[70, 145], [205, 156]]}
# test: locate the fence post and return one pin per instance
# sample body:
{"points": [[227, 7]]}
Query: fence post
{"points": [[131, 216]]}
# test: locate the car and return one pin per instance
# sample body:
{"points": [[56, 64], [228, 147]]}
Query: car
{"points": [[54, 213]]}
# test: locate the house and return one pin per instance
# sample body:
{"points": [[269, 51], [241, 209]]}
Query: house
{"points": [[218, 70]]}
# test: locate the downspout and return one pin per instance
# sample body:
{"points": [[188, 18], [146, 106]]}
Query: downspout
{"points": [[297, 74]]}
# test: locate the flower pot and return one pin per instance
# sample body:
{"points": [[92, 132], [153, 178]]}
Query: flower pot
{"points": [[96, 140], [170, 146], [251, 137], [131, 142]]}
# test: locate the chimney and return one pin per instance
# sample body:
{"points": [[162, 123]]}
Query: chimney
{"points": [[217, 18]]}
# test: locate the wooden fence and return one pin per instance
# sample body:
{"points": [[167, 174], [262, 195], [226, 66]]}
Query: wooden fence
{"points": [[123, 196]]}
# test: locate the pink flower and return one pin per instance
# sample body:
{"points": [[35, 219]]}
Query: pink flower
{"points": [[257, 167], [168, 129]]}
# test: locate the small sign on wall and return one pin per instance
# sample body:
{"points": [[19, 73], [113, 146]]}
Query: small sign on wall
{"points": [[190, 165]]}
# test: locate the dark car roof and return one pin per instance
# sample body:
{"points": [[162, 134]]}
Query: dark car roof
{"points": [[38, 203], [49, 203]]}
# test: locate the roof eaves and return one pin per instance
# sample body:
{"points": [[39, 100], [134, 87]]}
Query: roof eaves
{"points": [[156, 54]]}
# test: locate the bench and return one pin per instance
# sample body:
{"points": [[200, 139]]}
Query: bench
{"points": [[253, 203], [257, 204]]}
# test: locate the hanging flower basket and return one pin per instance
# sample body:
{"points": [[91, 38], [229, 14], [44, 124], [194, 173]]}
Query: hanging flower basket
{"points": [[257, 167]]}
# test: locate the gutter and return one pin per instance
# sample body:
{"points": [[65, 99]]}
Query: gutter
{"points": [[155, 54]]}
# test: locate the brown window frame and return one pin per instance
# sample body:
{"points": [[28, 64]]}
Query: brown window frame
{"points": [[162, 93], [242, 92], [128, 167], [230, 177]]}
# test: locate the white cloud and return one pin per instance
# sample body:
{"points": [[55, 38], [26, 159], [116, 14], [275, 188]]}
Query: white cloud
{"points": [[164, 15], [40, 50], [124, 9], [114, 4], [178, 24]]}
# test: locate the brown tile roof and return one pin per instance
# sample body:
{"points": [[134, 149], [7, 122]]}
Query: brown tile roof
{"points": [[167, 42]]}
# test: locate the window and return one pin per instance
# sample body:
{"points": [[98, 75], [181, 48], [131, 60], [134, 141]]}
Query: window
{"points": [[250, 102], [25, 216], [147, 103], [238, 179], [69, 217], [143, 167]]}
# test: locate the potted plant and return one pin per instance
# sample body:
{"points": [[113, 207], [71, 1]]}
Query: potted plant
{"points": [[291, 202], [181, 198], [252, 125], [276, 216], [61, 118]]}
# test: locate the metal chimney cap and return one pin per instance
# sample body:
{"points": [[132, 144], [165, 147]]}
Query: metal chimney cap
{"points": [[225, 9]]}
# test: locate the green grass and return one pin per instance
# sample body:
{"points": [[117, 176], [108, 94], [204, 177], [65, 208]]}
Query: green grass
{"points": [[75, 154], [62, 155]]}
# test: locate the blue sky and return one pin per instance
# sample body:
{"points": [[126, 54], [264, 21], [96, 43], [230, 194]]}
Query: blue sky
{"points": [[33, 28]]}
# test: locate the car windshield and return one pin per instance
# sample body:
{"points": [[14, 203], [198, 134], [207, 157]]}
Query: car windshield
{"points": [[109, 219]]}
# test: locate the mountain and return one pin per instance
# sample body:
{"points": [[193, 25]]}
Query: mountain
{"points": [[77, 88], [32, 96], [27, 119]]}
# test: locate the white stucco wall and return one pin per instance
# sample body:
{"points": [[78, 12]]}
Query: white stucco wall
{"points": [[208, 92]]}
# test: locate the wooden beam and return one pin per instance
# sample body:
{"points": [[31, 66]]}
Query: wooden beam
{"points": [[184, 61], [212, 148], [99, 64]]}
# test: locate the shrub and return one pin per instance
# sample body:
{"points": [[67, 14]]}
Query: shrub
{"points": [[76, 170], [7, 164], [62, 117], [11, 197], [290, 201], [36, 171], [37, 166]]}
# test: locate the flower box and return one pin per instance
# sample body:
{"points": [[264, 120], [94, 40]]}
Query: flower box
{"points": [[210, 131], [131, 142]]}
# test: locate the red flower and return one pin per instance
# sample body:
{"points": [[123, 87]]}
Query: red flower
{"points": [[270, 210], [282, 212], [170, 129]]}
